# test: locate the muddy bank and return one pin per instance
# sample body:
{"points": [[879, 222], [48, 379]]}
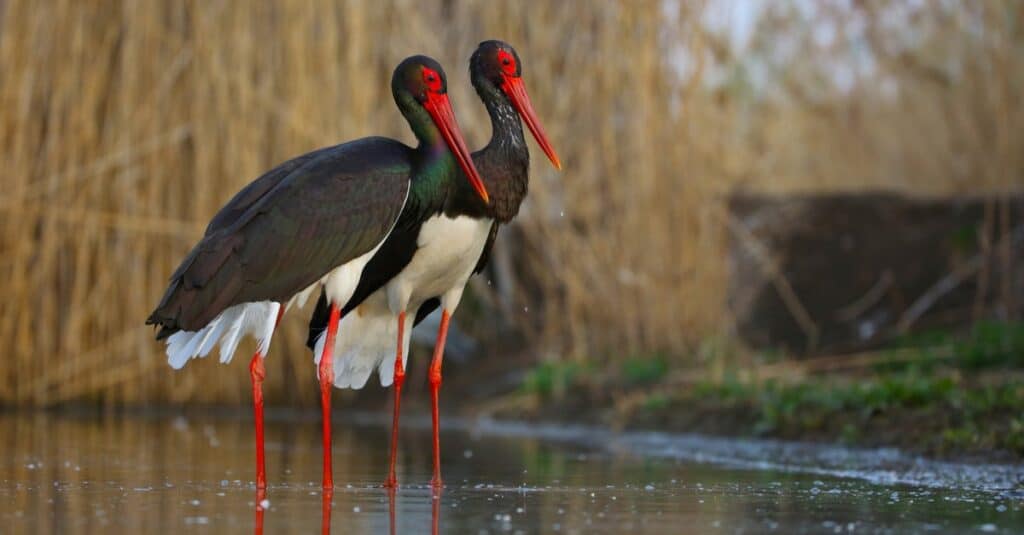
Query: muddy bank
{"points": [[945, 417]]}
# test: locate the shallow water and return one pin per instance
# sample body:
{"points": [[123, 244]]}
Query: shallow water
{"points": [[170, 473]]}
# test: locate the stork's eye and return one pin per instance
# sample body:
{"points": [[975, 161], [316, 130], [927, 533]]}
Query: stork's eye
{"points": [[508, 63], [432, 79]]}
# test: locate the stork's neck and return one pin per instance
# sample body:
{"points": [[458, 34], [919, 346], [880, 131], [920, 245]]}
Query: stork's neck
{"points": [[504, 162], [435, 174], [506, 128], [435, 168]]}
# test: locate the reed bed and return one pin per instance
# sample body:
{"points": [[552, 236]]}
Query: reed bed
{"points": [[125, 125]]}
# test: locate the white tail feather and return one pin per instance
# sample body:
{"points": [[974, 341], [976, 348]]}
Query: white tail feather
{"points": [[232, 335], [229, 327]]}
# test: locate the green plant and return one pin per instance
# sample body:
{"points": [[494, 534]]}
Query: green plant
{"points": [[640, 370], [548, 378]]}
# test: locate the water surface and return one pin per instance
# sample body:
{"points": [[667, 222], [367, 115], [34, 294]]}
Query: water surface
{"points": [[156, 473]]}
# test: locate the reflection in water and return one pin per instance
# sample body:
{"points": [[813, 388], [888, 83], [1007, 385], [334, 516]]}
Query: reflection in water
{"points": [[154, 474], [435, 508], [391, 509], [261, 495], [325, 511]]}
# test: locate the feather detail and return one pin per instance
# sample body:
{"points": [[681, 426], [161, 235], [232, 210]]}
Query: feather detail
{"points": [[228, 328]]}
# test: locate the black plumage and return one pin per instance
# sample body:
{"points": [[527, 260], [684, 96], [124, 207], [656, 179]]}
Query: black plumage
{"points": [[286, 230]]}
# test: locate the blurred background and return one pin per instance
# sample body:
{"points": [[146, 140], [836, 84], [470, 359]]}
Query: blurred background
{"points": [[756, 194]]}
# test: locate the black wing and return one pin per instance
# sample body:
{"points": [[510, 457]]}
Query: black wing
{"points": [[256, 189], [333, 206]]}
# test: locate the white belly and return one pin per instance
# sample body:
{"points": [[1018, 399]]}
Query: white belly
{"points": [[449, 249]]}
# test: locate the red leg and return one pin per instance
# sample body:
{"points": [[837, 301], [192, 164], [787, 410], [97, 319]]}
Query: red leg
{"points": [[392, 481], [258, 373], [435, 390], [326, 383]]}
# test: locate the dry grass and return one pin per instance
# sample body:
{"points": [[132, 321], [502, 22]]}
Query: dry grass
{"points": [[125, 125]]}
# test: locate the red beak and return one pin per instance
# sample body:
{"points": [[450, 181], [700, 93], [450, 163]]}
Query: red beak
{"points": [[440, 110], [516, 91]]}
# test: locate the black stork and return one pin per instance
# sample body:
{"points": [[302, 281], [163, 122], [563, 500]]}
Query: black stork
{"points": [[313, 221], [426, 264]]}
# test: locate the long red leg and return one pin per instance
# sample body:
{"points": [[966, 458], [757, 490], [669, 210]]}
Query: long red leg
{"points": [[258, 373], [326, 383], [392, 481], [435, 390]]}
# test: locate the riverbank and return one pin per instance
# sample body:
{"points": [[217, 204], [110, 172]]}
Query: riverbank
{"points": [[949, 398]]}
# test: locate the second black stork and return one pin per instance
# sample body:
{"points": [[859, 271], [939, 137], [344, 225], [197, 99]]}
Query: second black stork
{"points": [[427, 264], [311, 222]]}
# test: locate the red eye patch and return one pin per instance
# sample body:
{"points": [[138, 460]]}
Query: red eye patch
{"points": [[432, 79], [507, 61]]}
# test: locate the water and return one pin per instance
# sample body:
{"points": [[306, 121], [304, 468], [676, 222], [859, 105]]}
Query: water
{"points": [[159, 473]]}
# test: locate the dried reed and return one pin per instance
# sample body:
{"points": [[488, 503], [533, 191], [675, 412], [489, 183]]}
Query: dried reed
{"points": [[125, 125]]}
